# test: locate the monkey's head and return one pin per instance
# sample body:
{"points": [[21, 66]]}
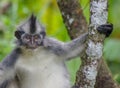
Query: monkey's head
{"points": [[30, 34]]}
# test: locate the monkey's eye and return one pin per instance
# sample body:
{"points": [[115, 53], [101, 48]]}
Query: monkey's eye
{"points": [[36, 37], [27, 37]]}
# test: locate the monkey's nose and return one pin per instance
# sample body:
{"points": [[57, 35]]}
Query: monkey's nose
{"points": [[32, 42]]}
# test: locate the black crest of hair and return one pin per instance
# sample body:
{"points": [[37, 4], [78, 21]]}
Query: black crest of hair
{"points": [[32, 24]]}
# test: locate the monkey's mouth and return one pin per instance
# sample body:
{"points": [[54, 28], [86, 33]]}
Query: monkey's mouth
{"points": [[32, 47]]}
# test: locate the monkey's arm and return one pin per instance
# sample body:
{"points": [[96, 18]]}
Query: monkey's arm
{"points": [[66, 50], [7, 65], [76, 46]]}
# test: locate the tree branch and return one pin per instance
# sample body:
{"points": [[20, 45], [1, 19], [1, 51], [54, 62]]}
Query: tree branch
{"points": [[73, 17]]}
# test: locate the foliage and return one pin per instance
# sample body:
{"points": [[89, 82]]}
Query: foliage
{"points": [[49, 15]]}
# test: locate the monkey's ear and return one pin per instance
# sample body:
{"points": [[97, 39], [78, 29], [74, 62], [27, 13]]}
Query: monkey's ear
{"points": [[43, 33], [18, 34]]}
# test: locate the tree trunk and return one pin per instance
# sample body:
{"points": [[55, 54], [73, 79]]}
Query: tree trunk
{"points": [[72, 9], [104, 78], [93, 53]]}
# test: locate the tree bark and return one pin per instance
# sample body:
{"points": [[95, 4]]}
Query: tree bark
{"points": [[104, 77], [93, 53], [72, 9], [73, 17]]}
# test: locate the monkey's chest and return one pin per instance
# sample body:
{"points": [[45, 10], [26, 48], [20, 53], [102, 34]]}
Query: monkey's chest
{"points": [[42, 72]]}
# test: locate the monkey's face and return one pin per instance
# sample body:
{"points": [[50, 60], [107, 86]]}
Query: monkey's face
{"points": [[30, 41], [30, 34]]}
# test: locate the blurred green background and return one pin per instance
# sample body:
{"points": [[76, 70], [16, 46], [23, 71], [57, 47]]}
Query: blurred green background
{"points": [[13, 12]]}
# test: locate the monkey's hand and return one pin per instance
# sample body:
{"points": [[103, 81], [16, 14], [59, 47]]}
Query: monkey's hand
{"points": [[105, 29]]}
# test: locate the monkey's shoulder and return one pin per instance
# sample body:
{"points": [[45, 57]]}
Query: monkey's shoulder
{"points": [[54, 45], [48, 41]]}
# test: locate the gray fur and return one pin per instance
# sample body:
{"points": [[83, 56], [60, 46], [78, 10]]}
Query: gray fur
{"points": [[67, 50], [7, 67], [13, 83], [4, 84], [28, 26], [10, 60]]}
